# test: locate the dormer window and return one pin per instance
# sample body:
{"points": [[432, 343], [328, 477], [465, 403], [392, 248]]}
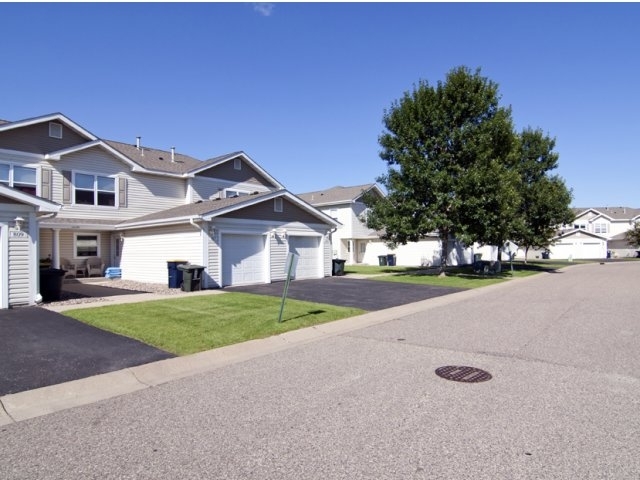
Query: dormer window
{"points": [[237, 164], [55, 130]]}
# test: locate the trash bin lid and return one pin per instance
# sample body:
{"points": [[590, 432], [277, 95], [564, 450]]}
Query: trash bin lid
{"points": [[188, 266]]}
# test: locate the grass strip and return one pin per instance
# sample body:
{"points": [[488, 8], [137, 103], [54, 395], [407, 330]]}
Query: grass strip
{"points": [[189, 325]]}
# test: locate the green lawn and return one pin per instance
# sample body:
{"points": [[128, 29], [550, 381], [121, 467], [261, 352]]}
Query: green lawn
{"points": [[193, 324], [458, 277]]}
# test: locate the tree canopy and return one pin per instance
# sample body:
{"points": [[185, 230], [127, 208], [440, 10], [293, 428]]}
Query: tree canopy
{"points": [[633, 235], [455, 165]]}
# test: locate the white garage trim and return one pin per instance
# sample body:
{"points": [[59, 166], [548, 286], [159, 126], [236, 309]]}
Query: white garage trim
{"points": [[4, 274], [310, 261], [245, 259]]}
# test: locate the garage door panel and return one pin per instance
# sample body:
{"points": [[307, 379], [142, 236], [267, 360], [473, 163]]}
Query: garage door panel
{"points": [[308, 250], [243, 259]]}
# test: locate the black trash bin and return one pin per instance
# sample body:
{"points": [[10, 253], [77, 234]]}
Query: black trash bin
{"points": [[51, 283], [338, 267], [191, 277], [382, 260], [391, 260], [175, 275], [545, 255]]}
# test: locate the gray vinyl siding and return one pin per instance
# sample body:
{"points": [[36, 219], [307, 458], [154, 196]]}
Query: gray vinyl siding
{"points": [[245, 175], [205, 188], [265, 211], [36, 139], [19, 270], [144, 193], [145, 252], [278, 260]]}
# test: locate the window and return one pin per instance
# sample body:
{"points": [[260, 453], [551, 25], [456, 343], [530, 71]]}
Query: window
{"points": [[20, 178], [333, 213], [94, 190], [580, 226], [229, 193], [237, 164], [277, 204], [55, 130], [600, 228], [87, 245]]}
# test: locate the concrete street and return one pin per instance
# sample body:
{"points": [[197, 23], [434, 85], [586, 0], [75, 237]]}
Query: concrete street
{"points": [[359, 399]]}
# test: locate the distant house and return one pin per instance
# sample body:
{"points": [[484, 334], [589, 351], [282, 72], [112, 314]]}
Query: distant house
{"points": [[596, 233], [137, 208], [357, 244]]}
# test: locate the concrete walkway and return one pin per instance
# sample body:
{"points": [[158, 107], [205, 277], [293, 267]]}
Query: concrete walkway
{"points": [[359, 399]]}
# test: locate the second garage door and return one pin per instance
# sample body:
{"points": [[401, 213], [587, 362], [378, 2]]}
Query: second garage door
{"points": [[309, 261], [243, 259]]}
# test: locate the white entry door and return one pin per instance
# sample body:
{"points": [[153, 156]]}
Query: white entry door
{"points": [[243, 259], [309, 261]]}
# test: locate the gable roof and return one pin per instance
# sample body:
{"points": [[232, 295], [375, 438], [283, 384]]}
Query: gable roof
{"points": [[337, 195], [5, 125], [208, 209], [576, 232], [612, 213], [139, 158]]}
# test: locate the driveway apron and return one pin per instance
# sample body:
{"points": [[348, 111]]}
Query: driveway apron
{"points": [[368, 295], [40, 348]]}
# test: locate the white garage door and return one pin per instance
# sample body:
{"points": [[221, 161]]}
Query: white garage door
{"points": [[579, 249], [243, 259], [308, 249]]}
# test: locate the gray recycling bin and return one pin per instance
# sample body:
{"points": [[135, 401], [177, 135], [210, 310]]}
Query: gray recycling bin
{"points": [[338, 267], [51, 283], [191, 277], [382, 260]]}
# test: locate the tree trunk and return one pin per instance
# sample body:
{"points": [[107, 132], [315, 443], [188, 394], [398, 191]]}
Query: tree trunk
{"points": [[526, 252], [444, 253]]}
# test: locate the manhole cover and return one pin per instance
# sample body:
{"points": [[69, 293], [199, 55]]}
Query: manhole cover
{"points": [[463, 374]]}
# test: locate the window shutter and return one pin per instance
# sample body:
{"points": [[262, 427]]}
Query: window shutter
{"points": [[45, 183], [122, 192], [66, 186]]}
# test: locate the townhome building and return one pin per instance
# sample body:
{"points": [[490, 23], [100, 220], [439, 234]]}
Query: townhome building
{"points": [[357, 244], [596, 233], [67, 195]]}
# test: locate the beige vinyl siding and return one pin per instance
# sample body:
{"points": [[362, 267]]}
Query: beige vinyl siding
{"points": [[328, 256], [144, 193], [66, 244], [278, 260], [20, 281], [36, 139], [212, 272], [145, 252]]}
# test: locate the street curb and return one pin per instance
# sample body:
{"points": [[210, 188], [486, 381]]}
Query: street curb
{"points": [[43, 401]]}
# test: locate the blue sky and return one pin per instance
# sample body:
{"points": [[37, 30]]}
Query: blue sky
{"points": [[302, 87]]}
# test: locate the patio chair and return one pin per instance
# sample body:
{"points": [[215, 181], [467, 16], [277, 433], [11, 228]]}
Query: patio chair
{"points": [[71, 268], [94, 266]]}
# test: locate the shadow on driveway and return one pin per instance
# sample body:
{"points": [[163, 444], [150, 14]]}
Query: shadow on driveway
{"points": [[40, 348], [365, 294]]}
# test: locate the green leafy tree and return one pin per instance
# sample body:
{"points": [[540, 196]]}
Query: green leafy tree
{"points": [[447, 149], [545, 198], [633, 235]]}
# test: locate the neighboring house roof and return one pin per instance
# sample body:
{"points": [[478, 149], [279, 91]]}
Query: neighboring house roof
{"points": [[337, 195], [612, 213], [208, 209], [40, 204], [59, 117]]}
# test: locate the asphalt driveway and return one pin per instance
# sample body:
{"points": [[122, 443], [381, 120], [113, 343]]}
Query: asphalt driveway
{"points": [[368, 295], [39, 348]]}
